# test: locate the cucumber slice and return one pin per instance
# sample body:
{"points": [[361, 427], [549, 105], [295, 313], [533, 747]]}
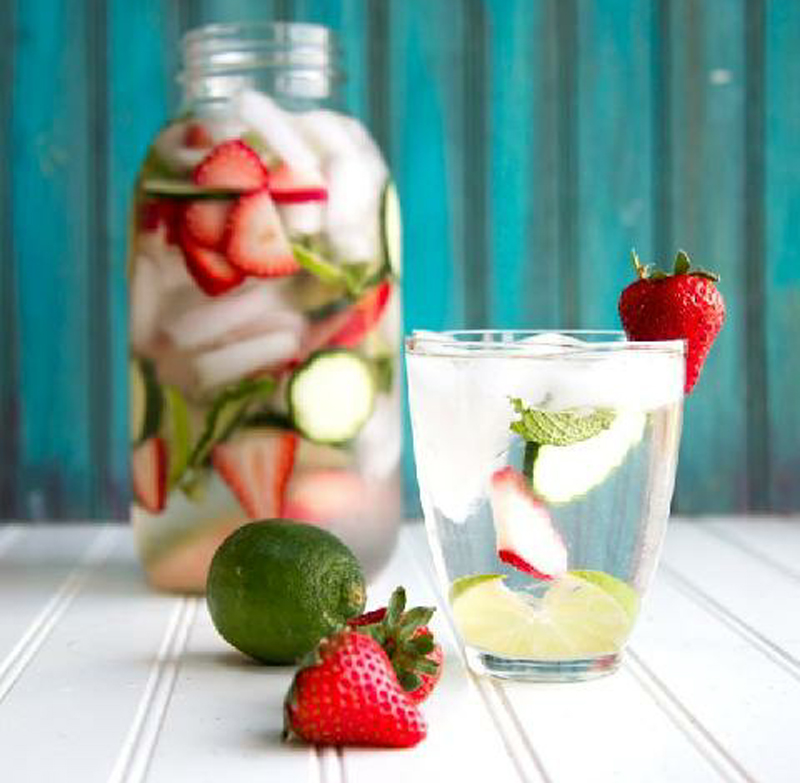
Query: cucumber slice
{"points": [[331, 395], [391, 228], [179, 188], [145, 400], [176, 429], [563, 473]]}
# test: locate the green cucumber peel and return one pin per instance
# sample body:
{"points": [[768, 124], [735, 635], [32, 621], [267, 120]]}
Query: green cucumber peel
{"points": [[560, 428], [383, 369], [227, 410], [171, 187]]}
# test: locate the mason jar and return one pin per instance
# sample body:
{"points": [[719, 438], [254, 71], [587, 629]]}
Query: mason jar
{"points": [[265, 309]]}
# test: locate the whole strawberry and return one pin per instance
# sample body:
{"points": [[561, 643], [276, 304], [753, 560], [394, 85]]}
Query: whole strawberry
{"points": [[684, 305], [407, 640], [347, 694]]}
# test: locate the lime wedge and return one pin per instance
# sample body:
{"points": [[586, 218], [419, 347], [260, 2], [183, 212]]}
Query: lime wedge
{"points": [[574, 619], [615, 587]]}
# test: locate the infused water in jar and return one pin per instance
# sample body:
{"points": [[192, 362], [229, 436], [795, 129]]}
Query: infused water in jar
{"points": [[265, 310]]}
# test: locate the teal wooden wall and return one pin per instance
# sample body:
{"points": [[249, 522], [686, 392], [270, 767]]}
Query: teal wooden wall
{"points": [[534, 142]]}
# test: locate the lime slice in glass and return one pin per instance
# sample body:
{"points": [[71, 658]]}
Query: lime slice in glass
{"points": [[574, 619]]}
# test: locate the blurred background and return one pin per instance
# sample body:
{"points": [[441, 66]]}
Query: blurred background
{"points": [[534, 142]]}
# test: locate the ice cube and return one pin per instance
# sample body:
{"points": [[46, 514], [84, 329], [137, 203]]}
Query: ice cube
{"points": [[461, 417], [302, 218], [168, 259], [173, 152], [145, 304], [238, 360], [326, 131], [352, 218], [638, 380], [276, 127], [379, 444], [214, 320]]}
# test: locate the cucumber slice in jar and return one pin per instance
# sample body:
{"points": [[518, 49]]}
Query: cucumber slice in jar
{"points": [[145, 401], [391, 228], [331, 396], [179, 188]]}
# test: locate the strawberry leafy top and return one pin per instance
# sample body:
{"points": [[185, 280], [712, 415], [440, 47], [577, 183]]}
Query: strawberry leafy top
{"points": [[404, 636], [683, 266]]}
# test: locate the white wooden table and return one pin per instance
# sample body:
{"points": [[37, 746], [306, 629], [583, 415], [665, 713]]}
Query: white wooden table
{"points": [[103, 680]]}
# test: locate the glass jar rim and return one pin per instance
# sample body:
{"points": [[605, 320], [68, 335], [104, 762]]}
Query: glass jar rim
{"points": [[473, 343]]}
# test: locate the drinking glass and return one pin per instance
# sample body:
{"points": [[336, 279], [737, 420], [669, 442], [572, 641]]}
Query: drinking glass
{"points": [[546, 464]]}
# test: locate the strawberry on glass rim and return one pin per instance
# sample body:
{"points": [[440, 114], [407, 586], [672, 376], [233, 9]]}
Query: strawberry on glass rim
{"points": [[683, 305]]}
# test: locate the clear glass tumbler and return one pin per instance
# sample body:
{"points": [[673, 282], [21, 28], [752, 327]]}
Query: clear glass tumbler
{"points": [[546, 463]]}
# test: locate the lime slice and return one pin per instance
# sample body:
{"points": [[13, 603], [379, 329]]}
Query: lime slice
{"points": [[615, 587], [574, 619]]}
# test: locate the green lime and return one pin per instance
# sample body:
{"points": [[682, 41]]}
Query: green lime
{"points": [[276, 587], [622, 591], [574, 619]]}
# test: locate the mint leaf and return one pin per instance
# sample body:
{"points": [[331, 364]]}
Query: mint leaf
{"points": [[562, 428], [355, 277], [226, 411]]}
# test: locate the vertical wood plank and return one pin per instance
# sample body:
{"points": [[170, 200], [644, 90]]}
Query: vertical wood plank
{"points": [[348, 18], [780, 259], [707, 92], [50, 183], [614, 153], [9, 337], [524, 165], [142, 63], [424, 156], [98, 293], [221, 11]]}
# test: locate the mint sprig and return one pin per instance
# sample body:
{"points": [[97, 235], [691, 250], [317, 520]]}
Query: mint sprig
{"points": [[560, 428]]}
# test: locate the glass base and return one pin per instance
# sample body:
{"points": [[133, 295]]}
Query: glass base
{"points": [[525, 669]]}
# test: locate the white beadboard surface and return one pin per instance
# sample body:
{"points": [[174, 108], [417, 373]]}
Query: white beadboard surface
{"points": [[103, 680]]}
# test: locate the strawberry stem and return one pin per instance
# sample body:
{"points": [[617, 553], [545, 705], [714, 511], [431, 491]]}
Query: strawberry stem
{"points": [[641, 272]]}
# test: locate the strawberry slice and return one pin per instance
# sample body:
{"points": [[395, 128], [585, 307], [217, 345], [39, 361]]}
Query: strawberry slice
{"points": [[206, 221], [321, 496], [257, 243], [256, 465], [288, 186], [232, 165], [155, 213], [149, 470], [210, 269], [347, 328], [197, 136], [526, 537]]}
